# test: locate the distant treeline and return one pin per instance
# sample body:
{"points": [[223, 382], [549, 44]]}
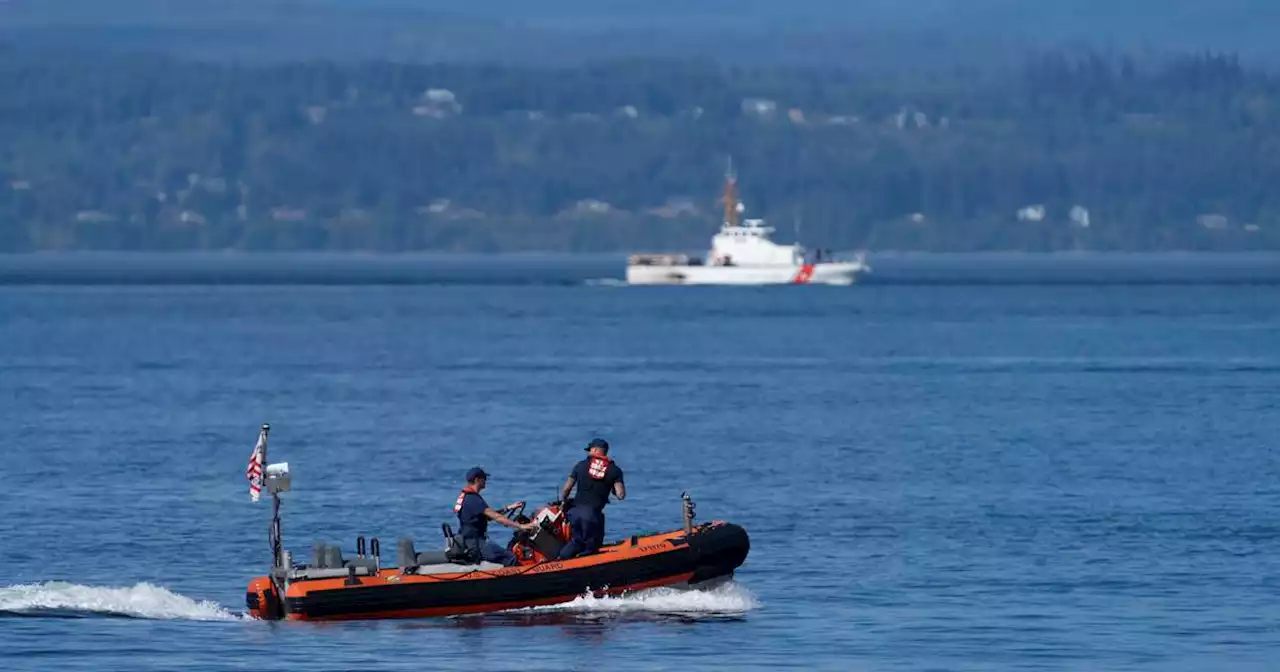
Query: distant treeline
{"points": [[105, 151]]}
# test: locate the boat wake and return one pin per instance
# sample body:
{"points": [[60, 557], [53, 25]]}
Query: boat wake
{"points": [[727, 600], [58, 599]]}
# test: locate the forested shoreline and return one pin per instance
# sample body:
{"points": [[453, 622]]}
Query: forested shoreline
{"points": [[1074, 151]]}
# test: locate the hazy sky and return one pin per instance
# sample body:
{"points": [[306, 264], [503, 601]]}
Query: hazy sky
{"points": [[1245, 26]]}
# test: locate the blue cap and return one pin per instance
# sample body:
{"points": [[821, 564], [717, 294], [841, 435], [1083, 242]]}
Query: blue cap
{"points": [[475, 472], [598, 443]]}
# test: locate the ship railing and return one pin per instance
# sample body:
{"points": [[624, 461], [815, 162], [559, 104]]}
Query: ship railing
{"points": [[658, 260]]}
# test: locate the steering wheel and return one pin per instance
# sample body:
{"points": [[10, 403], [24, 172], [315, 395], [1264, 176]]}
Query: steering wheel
{"points": [[513, 512]]}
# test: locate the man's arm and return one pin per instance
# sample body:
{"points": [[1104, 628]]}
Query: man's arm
{"points": [[499, 518], [619, 487], [568, 486]]}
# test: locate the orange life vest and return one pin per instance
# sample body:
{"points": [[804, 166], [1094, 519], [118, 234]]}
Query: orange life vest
{"points": [[469, 490], [598, 467]]}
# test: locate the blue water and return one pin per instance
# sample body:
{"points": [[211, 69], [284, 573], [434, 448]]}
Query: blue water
{"points": [[934, 476]]}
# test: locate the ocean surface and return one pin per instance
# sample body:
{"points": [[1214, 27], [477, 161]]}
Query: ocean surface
{"points": [[1047, 464]]}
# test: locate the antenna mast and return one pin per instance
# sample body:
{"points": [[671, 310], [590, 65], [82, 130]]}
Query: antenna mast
{"points": [[730, 195]]}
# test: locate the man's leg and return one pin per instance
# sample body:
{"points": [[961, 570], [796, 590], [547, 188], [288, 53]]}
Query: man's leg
{"points": [[592, 532], [470, 547], [577, 535], [492, 552], [598, 539]]}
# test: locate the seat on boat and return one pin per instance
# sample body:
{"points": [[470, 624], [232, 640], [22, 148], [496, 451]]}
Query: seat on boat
{"points": [[454, 554], [327, 562], [324, 556], [308, 572], [453, 568], [370, 564], [432, 558], [436, 562]]}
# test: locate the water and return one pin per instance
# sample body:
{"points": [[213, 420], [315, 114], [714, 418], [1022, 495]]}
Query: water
{"points": [[1059, 475]]}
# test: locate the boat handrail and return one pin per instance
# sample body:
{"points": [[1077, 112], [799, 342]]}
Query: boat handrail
{"points": [[658, 260]]}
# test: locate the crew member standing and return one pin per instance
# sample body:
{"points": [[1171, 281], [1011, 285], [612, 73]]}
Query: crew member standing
{"points": [[596, 476], [474, 515]]}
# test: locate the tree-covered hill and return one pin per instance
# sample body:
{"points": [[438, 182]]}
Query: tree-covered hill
{"points": [[138, 151]]}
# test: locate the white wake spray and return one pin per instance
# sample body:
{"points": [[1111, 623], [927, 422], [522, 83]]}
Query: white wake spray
{"points": [[730, 599], [139, 601]]}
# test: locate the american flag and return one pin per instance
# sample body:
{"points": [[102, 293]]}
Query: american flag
{"points": [[256, 463]]}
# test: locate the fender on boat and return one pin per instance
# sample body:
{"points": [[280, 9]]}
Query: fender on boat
{"points": [[262, 600]]}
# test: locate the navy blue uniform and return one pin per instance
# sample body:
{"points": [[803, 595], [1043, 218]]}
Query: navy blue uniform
{"points": [[594, 478], [473, 528]]}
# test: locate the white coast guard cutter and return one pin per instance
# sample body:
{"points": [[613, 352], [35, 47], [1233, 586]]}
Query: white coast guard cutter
{"points": [[742, 254]]}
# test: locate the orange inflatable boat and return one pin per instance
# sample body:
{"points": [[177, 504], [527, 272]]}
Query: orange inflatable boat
{"points": [[445, 583]]}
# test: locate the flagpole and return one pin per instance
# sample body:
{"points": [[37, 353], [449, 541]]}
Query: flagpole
{"points": [[265, 430], [274, 533]]}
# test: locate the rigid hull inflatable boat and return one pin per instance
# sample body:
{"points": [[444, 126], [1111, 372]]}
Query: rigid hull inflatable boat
{"points": [[361, 590], [451, 582]]}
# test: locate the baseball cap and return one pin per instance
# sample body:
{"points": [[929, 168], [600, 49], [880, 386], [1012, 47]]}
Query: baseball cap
{"points": [[598, 443], [476, 472]]}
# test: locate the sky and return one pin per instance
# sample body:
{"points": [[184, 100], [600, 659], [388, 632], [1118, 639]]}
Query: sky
{"points": [[1243, 26]]}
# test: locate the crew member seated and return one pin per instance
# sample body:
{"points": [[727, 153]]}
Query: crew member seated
{"points": [[596, 476], [474, 515]]}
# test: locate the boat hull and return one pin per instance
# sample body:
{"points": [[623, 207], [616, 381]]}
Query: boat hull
{"points": [[711, 554], [834, 273]]}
